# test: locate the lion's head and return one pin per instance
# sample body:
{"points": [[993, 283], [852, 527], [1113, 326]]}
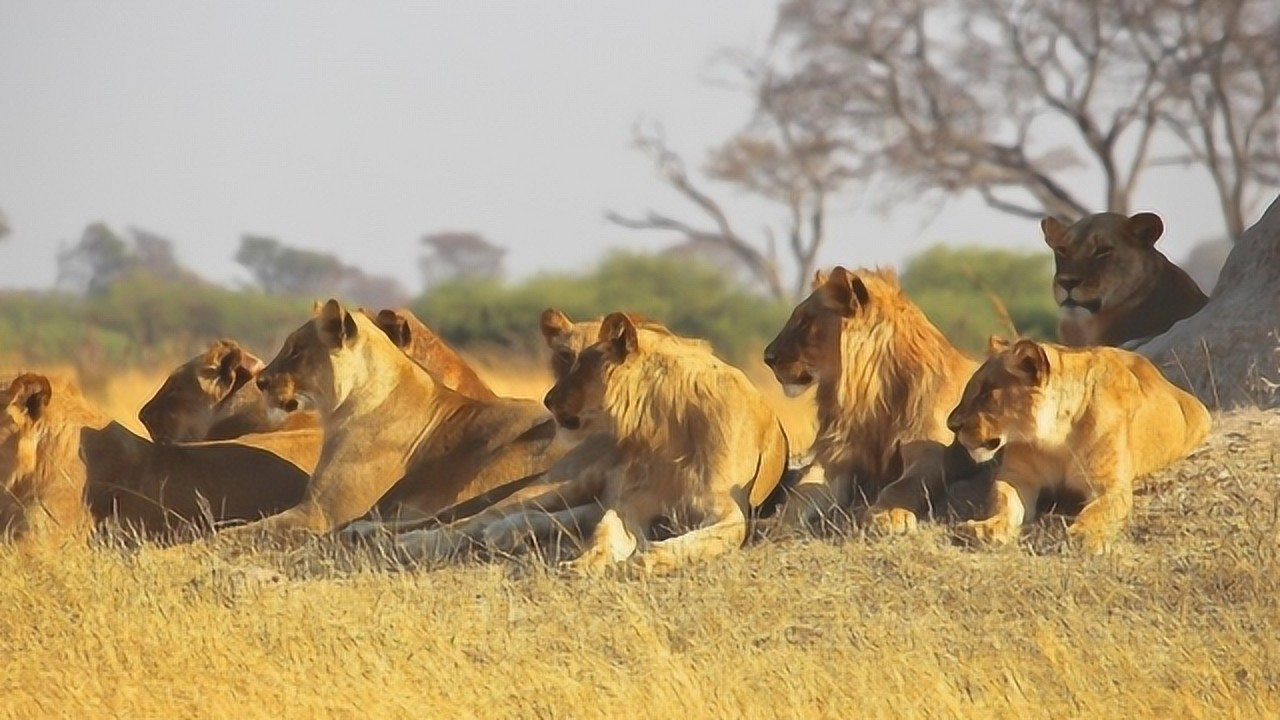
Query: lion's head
{"points": [[25, 403], [303, 375], [1103, 260], [810, 347], [578, 394], [426, 348], [42, 473], [195, 396], [1001, 399]]}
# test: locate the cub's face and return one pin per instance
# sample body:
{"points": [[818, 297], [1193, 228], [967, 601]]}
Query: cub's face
{"points": [[577, 398], [1102, 260], [999, 401], [25, 403], [301, 376], [808, 347], [186, 406], [566, 339]]}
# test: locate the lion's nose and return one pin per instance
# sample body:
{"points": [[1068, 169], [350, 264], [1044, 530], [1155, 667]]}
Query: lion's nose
{"points": [[770, 357], [953, 423], [261, 382], [1068, 283]]}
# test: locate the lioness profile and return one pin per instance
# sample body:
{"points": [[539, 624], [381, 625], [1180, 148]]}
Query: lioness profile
{"points": [[697, 444], [42, 477], [886, 379], [394, 435], [1112, 286], [212, 397], [1087, 421]]}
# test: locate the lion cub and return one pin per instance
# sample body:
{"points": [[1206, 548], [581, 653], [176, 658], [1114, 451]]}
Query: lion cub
{"points": [[696, 444], [1087, 421], [1113, 287]]}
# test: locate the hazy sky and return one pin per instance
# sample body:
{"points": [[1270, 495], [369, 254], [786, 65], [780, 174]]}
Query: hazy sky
{"points": [[357, 127]]}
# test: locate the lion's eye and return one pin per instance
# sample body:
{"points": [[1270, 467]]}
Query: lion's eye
{"points": [[1101, 252]]}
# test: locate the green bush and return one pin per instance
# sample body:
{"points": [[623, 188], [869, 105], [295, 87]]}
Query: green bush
{"points": [[689, 298], [951, 285]]}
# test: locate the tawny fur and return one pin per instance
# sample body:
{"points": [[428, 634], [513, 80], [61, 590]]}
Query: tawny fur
{"points": [[1087, 421]]}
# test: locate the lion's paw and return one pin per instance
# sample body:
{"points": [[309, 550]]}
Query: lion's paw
{"points": [[995, 530], [892, 521]]}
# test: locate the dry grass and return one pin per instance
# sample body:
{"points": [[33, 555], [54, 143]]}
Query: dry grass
{"points": [[1179, 622]]}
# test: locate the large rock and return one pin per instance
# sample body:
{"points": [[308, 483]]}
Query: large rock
{"points": [[1228, 354]]}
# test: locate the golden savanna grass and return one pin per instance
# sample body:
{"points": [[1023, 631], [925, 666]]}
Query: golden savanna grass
{"points": [[1180, 621]]}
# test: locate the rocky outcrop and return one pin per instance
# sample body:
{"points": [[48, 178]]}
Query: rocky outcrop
{"points": [[1228, 354]]}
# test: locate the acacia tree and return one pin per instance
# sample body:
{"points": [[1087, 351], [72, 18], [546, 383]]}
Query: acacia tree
{"points": [[788, 155], [1004, 97]]}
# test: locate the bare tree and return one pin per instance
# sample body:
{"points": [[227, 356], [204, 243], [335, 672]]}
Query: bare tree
{"points": [[460, 256], [786, 155], [1003, 97]]}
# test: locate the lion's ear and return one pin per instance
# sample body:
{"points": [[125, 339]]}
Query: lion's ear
{"points": [[554, 325], [29, 395], [231, 367], [1029, 361], [996, 345], [1146, 227], [337, 327], [1053, 229], [618, 330], [395, 326], [845, 291]]}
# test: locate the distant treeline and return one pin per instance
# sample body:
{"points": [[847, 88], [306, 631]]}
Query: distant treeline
{"points": [[141, 319]]}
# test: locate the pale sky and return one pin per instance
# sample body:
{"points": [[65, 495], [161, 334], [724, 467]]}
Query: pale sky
{"points": [[357, 127]]}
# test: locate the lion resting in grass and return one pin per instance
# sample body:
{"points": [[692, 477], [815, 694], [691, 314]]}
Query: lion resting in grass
{"points": [[65, 463], [697, 445], [213, 396], [1113, 287], [41, 473], [886, 380], [1083, 421], [394, 436]]}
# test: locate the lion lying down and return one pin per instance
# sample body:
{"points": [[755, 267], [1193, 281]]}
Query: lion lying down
{"points": [[394, 436], [64, 465], [1087, 421], [696, 446]]}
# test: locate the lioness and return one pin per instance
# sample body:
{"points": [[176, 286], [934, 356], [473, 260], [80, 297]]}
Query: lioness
{"points": [[212, 397], [886, 380], [394, 435], [1113, 287], [1087, 421], [697, 444], [42, 477], [419, 342]]}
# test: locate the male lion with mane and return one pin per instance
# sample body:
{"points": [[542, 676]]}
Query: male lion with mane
{"points": [[886, 380], [394, 436], [697, 444], [1113, 287], [1082, 420]]}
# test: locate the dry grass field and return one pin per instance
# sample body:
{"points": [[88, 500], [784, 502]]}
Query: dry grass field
{"points": [[1182, 620]]}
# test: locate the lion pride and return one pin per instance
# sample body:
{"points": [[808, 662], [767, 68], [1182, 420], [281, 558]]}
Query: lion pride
{"points": [[698, 445], [1087, 421], [1113, 287], [394, 436], [886, 379]]}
